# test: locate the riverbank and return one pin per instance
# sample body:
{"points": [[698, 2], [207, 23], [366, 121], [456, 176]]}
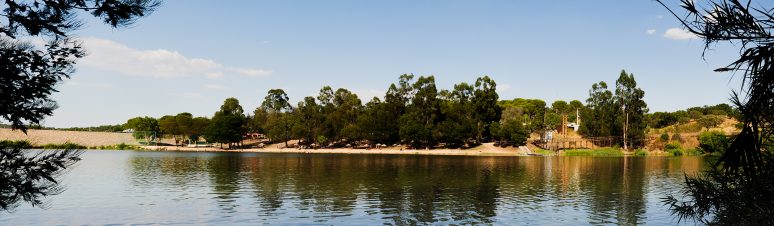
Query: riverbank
{"points": [[483, 150]]}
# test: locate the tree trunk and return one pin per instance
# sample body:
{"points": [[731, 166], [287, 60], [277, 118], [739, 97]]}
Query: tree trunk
{"points": [[625, 130]]}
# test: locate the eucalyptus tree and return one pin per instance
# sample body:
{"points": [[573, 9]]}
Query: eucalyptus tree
{"points": [[599, 117], [458, 121], [344, 117], [417, 124], [485, 106], [279, 121], [631, 120], [310, 120], [378, 122]]}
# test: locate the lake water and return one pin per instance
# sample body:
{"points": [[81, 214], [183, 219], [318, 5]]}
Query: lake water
{"points": [[132, 187]]}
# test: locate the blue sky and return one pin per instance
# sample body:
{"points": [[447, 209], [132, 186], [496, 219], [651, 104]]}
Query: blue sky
{"points": [[189, 56]]}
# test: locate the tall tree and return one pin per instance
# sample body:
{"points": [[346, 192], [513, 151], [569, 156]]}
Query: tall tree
{"points": [[599, 117], [485, 106], [417, 124], [279, 121], [227, 126], [458, 121], [632, 118], [310, 120]]}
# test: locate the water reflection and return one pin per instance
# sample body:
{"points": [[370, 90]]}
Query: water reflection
{"points": [[407, 190]]}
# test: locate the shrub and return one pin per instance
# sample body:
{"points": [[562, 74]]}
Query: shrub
{"points": [[713, 141], [664, 137], [674, 148], [641, 152], [20, 144], [692, 152], [66, 145]]}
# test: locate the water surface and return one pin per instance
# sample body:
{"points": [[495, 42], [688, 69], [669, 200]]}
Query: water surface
{"points": [[132, 187]]}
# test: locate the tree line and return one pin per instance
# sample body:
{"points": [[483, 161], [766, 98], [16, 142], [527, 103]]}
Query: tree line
{"points": [[416, 113]]}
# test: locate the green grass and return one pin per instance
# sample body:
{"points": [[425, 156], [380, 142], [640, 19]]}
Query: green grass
{"points": [[641, 152], [66, 145], [594, 152], [23, 144], [120, 146], [544, 152]]}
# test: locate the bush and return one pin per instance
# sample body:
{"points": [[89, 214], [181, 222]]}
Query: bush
{"points": [[692, 152], [664, 137], [641, 152], [713, 141], [66, 145], [674, 148]]}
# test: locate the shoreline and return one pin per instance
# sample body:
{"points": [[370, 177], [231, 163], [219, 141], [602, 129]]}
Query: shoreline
{"points": [[386, 151]]}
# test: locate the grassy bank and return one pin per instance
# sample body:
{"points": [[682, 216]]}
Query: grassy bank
{"points": [[593, 152], [67, 145]]}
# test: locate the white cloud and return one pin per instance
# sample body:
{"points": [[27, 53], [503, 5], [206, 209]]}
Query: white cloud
{"points": [[160, 63], [214, 87], [678, 34], [250, 72], [651, 31]]}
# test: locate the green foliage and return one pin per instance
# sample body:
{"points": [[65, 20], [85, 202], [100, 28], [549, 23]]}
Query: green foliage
{"points": [[594, 152], [29, 74], [710, 121], [121, 146], [553, 120], [510, 131], [278, 122], [629, 98], [102, 128], [417, 125], [379, 122], [597, 118], [641, 152], [20, 144], [664, 137], [544, 152], [66, 146], [484, 105], [142, 124], [532, 110], [227, 124], [674, 148], [713, 141], [30, 177]]}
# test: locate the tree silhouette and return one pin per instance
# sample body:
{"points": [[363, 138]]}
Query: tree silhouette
{"points": [[739, 188], [29, 74]]}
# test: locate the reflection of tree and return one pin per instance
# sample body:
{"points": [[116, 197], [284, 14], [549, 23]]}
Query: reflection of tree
{"points": [[225, 174], [407, 190], [617, 189]]}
